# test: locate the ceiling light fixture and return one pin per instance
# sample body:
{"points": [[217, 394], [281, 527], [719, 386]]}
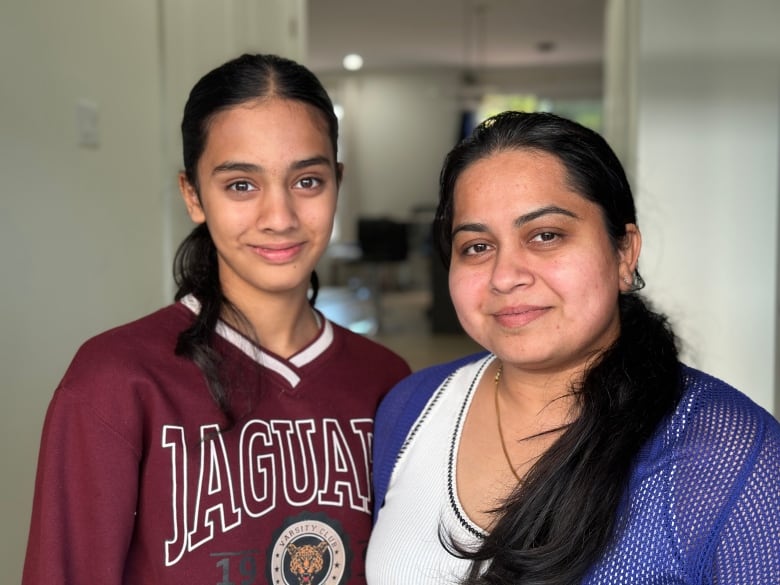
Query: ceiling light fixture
{"points": [[352, 62]]}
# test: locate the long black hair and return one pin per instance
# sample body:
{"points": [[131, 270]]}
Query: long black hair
{"points": [[243, 79], [560, 519]]}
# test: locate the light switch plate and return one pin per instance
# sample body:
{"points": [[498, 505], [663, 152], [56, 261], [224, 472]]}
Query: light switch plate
{"points": [[87, 123]]}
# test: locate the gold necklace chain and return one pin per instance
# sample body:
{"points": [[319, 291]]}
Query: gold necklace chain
{"points": [[498, 419]]}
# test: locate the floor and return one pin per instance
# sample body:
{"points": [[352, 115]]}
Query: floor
{"points": [[403, 324]]}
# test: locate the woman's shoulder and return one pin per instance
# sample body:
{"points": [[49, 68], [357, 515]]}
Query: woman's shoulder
{"points": [[706, 395], [718, 418], [419, 386], [718, 456]]}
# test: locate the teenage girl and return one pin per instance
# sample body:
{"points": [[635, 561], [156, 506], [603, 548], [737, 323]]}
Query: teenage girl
{"points": [[225, 438]]}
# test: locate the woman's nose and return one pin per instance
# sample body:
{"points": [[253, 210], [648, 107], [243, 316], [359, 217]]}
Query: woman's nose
{"points": [[510, 270]]}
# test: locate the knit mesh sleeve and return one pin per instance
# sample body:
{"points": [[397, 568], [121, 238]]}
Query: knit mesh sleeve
{"points": [[703, 501], [725, 487], [724, 493], [748, 548]]}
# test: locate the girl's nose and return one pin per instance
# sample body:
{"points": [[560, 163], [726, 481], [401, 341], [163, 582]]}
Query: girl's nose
{"points": [[277, 211]]}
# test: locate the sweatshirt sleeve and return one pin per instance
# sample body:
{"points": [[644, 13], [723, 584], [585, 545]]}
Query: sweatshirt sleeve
{"points": [[85, 497]]}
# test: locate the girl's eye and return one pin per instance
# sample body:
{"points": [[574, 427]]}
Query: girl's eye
{"points": [[241, 186], [309, 183]]}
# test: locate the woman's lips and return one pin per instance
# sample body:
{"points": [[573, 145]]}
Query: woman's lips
{"points": [[514, 317]]}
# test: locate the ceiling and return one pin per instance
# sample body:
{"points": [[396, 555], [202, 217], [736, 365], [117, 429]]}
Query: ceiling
{"points": [[468, 34]]}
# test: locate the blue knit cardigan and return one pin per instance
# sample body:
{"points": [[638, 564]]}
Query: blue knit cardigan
{"points": [[703, 501]]}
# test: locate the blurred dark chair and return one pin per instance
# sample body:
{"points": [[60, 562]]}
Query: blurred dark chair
{"points": [[384, 244], [383, 240]]}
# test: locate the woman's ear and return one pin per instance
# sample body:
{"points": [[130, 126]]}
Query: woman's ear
{"points": [[339, 173], [628, 255], [191, 199]]}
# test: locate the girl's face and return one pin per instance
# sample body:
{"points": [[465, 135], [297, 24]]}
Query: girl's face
{"points": [[534, 276], [268, 187]]}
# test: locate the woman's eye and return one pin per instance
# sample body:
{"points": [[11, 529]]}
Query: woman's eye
{"points": [[241, 186], [474, 249], [545, 237]]}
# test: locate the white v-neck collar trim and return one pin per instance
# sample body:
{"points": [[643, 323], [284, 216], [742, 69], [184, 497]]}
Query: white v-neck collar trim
{"points": [[475, 372], [262, 357]]}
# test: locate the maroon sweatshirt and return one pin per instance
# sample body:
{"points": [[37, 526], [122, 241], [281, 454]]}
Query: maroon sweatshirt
{"points": [[136, 484]]}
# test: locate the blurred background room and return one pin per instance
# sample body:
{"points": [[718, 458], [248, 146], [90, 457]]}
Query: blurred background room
{"points": [[688, 94]]}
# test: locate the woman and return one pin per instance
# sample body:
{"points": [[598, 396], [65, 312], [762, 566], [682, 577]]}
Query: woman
{"points": [[579, 449], [225, 438]]}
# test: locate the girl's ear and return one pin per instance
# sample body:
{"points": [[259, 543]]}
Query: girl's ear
{"points": [[339, 173], [191, 199], [628, 255]]}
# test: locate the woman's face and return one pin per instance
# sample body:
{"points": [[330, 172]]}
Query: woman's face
{"points": [[534, 276], [268, 187]]}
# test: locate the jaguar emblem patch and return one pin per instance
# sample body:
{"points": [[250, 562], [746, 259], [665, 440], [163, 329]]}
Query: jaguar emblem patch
{"points": [[309, 550]]}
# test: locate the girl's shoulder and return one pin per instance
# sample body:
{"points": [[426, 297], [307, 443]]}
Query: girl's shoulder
{"points": [[114, 374], [124, 352], [148, 334]]}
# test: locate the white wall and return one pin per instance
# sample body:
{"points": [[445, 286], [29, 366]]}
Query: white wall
{"points": [[707, 155], [80, 228], [86, 233]]}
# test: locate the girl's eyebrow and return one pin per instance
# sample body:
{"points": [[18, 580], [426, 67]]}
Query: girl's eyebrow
{"points": [[232, 166], [520, 221], [245, 167], [310, 162]]}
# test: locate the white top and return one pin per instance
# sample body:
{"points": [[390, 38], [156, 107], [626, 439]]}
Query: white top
{"points": [[422, 501]]}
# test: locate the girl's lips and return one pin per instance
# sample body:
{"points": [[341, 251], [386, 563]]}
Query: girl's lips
{"points": [[278, 253], [514, 317]]}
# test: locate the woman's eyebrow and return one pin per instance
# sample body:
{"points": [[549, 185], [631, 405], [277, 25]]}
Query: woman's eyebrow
{"points": [[469, 227], [520, 221], [541, 212]]}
